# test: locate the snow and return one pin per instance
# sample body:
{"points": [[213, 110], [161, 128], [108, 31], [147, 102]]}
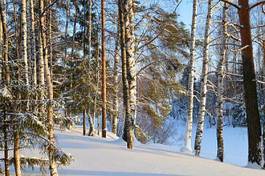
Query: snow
{"points": [[235, 143], [98, 157]]}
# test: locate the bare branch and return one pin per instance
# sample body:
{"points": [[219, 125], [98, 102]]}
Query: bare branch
{"points": [[230, 3], [257, 4]]}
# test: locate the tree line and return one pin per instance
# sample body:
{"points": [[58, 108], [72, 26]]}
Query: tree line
{"points": [[122, 64]]}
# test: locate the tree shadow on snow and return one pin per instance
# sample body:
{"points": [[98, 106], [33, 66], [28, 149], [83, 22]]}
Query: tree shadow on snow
{"points": [[71, 172]]}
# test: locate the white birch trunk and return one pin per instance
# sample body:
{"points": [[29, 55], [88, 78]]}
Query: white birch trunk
{"points": [[204, 79], [116, 87], [220, 87], [33, 43], [188, 134], [130, 56]]}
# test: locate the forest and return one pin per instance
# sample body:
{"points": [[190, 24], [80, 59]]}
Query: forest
{"points": [[138, 78]]}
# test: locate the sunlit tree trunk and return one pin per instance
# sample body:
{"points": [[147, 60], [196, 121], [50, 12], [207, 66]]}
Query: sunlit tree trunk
{"points": [[188, 134], [49, 85], [89, 31], [204, 79], [41, 79], [6, 78], [33, 43], [128, 68], [130, 56]]}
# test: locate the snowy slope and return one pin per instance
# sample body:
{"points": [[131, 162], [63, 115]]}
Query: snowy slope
{"points": [[98, 157], [235, 142]]}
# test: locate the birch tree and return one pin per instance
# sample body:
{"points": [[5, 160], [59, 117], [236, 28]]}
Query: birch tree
{"points": [[204, 79], [220, 86], [130, 71], [188, 134], [33, 43]]}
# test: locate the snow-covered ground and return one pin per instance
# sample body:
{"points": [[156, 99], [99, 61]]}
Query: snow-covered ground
{"points": [[235, 143], [98, 157]]}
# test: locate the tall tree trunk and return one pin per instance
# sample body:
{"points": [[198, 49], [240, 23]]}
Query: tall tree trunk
{"points": [[220, 87], [263, 57], [66, 27], [33, 43], [250, 87], [6, 155], [50, 46], [204, 79], [130, 56], [97, 81], [103, 76], [6, 78], [41, 34], [188, 134], [74, 28], [16, 150], [116, 87], [51, 137], [128, 124], [17, 164], [84, 122], [24, 40]]}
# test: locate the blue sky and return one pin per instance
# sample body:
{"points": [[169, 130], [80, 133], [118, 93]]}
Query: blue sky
{"points": [[185, 12]]}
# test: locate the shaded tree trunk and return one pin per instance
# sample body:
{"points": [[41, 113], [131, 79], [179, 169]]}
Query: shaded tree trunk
{"points": [[66, 27], [204, 79], [74, 28], [103, 74], [250, 87], [84, 122], [116, 87], [220, 87]]}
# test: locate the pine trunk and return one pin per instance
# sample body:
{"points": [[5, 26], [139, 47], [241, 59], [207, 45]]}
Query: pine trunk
{"points": [[204, 79], [188, 134], [6, 78], [250, 87], [17, 163], [49, 85]]}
